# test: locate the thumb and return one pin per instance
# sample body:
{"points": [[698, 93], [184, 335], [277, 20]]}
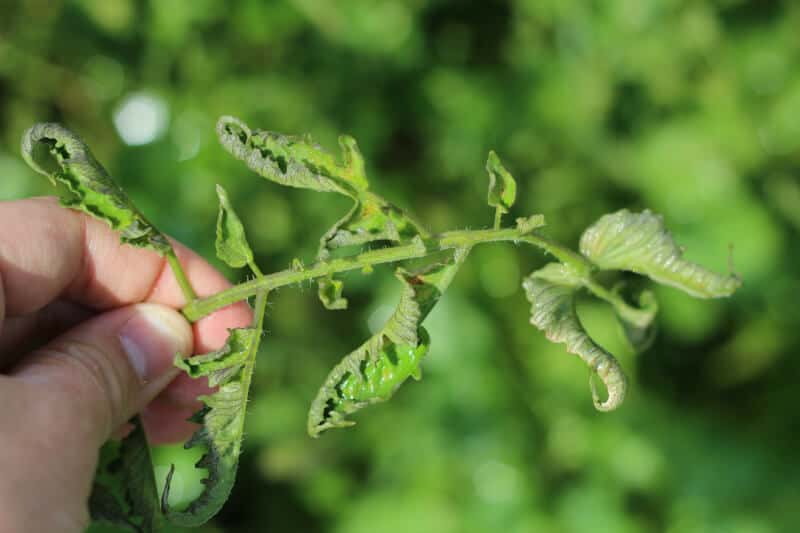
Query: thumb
{"points": [[108, 368], [65, 399]]}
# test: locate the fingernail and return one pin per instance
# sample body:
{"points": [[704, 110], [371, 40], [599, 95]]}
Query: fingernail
{"points": [[152, 337]]}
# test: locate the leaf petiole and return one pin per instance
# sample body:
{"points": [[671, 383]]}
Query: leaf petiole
{"points": [[180, 276]]}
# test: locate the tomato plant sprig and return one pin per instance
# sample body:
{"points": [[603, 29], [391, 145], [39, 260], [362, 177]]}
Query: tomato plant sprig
{"points": [[374, 231]]}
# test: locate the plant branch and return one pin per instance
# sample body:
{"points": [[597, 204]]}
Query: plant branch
{"points": [[416, 249]]}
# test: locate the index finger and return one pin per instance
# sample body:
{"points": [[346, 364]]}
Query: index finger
{"points": [[48, 252]]}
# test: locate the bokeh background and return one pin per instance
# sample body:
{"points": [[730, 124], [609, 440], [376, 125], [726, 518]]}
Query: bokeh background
{"points": [[689, 108]]}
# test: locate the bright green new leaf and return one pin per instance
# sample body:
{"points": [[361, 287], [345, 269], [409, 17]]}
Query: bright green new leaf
{"points": [[639, 242], [330, 293], [232, 246], [551, 291], [124, 493], [64, 158], [375, 370], [222, 417], [502, 187]]}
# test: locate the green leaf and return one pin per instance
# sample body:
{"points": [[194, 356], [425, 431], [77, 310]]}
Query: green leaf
{"points": [[639, 242], [502, 187], [124, 492], [64, 158], [232, 246], [330, 293], [294, 161], [375, 370], [551, 291], [222, 417]]}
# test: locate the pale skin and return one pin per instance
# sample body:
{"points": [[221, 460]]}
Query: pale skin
{"points": [[74, 305]]}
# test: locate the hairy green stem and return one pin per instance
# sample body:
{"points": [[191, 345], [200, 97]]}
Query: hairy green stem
{"points": [[418, 248], [197, 309], [180, 277]]}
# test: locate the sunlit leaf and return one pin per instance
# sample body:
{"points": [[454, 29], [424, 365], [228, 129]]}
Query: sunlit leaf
{"points": [[294, 161], [639, 242], [232, 246], [230, 369], [551, 291], [64, 158], [373, 372]]}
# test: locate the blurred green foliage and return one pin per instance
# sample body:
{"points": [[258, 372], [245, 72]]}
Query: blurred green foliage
{"points": [[689, 108]]}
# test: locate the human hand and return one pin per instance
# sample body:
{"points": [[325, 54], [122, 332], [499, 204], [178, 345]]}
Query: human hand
{"points": [[88, 333]]}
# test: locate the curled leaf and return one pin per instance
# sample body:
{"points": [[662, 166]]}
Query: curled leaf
{"points": [[230, 369], [294, 161], [375, 370], [639, 242], [64, 158], [299, 162], [551, 291], [369, 374], [502, 187], [232, 246]]}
